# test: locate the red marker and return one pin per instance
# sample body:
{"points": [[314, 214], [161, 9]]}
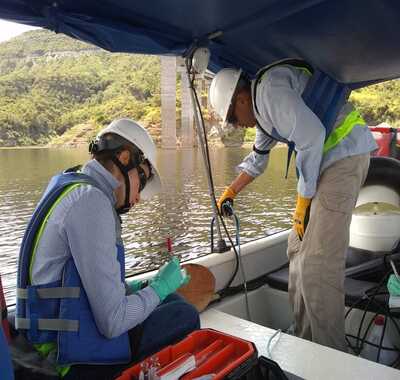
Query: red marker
{"points": [[169, 246]]}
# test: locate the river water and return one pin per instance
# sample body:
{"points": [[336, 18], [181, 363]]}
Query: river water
{"points": [[182, 211]]}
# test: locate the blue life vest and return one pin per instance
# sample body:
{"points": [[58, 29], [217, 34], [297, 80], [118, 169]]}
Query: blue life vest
{"points": [[322, 94], [59, 312]]}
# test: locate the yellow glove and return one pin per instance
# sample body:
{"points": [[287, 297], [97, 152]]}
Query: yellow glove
{"points": [[301, 215], [227, 196]]}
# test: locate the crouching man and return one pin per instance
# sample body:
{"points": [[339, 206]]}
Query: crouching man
{"points": [[72, 303]]}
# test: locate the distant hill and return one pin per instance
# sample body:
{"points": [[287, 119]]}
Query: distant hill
{"points": [[51, 84]]}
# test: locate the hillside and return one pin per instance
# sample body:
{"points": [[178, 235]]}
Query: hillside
{"points": [[50, 84]]}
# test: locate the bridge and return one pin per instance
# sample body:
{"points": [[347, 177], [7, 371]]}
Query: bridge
{"points": [[171, 68]]}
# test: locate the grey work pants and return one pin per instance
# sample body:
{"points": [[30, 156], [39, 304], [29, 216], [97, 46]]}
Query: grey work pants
{"points": [[317, 264]]}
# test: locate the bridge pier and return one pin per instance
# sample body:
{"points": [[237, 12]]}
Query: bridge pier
{"points": [[170, 67], [168, 102]]}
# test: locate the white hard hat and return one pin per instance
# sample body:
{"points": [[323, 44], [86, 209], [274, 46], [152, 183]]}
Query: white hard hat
{"points": [[222, 89], [138, 136]]}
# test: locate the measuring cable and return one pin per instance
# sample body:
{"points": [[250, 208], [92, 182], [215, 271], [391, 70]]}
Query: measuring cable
{"points": [[191, 76]]}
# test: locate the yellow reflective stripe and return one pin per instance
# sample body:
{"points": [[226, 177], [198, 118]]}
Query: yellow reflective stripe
{"points": [[62, 371], [304, 69], [44, 222], [45, 348], [352, 119]]}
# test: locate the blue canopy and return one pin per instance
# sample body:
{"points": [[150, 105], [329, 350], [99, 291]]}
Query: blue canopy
{"points": [[354, 41]]}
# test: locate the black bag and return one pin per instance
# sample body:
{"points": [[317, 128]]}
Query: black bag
{"points": [[260, 368]]}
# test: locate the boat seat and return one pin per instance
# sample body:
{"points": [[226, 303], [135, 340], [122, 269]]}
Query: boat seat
{"points": [[364, 270], [355, 290], [366, 265]]}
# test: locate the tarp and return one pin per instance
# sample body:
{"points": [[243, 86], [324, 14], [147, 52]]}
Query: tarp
{"points": [[354, 41]]}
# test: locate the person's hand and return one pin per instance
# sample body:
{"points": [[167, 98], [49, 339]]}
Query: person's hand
{"points": [[301, 215], [169, 278], [225, 202]]}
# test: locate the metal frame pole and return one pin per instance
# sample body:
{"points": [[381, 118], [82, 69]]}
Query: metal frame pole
{"points": [[202, 143]]}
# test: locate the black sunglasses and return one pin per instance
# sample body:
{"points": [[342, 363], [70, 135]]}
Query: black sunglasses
{"points": [[143, 179]]}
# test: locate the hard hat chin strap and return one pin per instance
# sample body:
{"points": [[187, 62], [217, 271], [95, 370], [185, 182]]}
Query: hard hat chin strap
{"points": [[125, 172]]}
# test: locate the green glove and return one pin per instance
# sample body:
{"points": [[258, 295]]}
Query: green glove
{"points": [[168, 279], [135, 285], [393, 286]]}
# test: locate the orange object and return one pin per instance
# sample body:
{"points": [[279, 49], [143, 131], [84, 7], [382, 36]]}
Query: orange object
{"points": [[214, 352], [200, 290]]}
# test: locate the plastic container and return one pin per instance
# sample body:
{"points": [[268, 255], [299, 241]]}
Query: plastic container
{"points": [[224, 356], [375, 227], [378, 193], [375, 224], [370, 352], [383, 140], [388, 140]]}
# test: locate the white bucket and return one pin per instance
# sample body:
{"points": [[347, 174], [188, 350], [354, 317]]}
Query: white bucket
{"points": [[378, 193], [375, 227]]}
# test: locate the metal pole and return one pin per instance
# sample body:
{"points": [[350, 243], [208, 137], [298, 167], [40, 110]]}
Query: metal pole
{"points": [[203, 151]]}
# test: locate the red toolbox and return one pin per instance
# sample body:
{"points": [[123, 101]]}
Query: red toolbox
{"points": [[212, 352]]}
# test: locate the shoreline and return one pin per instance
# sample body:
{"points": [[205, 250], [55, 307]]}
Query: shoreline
{"points": [[245, 145]]}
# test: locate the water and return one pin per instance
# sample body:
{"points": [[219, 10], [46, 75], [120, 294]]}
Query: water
{"points": [[182, 211]]}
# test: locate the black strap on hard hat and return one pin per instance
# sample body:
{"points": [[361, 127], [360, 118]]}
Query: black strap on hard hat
{"points": [[114, 146], [124, 169]]}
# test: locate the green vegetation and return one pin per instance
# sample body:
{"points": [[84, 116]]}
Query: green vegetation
{"points": [[250, 135], [51, 84], [379, 103]]}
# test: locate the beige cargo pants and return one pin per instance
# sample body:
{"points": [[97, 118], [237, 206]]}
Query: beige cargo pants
{"points": [[317, 264]]}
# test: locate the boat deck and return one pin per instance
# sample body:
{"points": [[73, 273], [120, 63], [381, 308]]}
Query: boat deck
{"points": [[297, 356]]}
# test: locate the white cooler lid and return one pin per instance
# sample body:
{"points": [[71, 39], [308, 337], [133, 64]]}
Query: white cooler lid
{"points": [[378, 193]]}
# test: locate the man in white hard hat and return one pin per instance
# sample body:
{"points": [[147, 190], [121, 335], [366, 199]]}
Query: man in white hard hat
{"points": [[90, 320], [331, 170]]}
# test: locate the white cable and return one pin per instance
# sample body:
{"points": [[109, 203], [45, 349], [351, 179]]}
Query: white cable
{"points": [[277, 332]]}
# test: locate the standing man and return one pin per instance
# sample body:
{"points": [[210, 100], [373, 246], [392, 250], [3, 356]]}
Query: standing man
{"points": [[331, 171], [72, 301]]}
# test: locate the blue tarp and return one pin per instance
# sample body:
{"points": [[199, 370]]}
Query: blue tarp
{"points": [[354, 41]]}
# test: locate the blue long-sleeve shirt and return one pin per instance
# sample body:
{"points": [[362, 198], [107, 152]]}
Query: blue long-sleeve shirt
{"points": [[280, 106], [83, 226]]}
